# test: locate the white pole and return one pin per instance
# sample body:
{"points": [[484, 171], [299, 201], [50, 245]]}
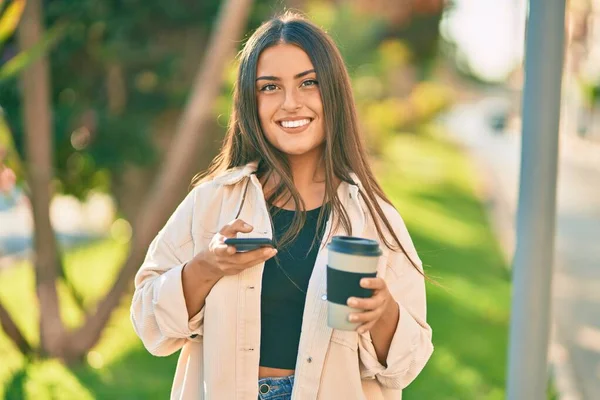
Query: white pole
{"points": [[532, 269]]}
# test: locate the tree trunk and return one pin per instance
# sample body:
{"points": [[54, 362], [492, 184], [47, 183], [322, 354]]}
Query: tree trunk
{"points": [[130, 188], [173, 179], [38, 135]]}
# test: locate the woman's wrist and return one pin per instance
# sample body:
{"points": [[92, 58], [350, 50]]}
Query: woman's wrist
{"points": [[201, 271], [196, 285], [390, 316]]}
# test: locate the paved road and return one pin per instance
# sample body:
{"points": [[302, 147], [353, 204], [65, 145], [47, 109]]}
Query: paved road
{"points": [[576, 283], [74, 223]]}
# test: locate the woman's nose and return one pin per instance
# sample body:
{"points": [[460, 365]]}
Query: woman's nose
{"points": [[291, 102]]}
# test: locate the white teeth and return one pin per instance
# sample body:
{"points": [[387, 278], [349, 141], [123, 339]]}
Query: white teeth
{"points": [[295, 124]]}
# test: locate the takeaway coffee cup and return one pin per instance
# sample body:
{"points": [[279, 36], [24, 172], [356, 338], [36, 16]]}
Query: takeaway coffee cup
{"points": [[350, 259]]}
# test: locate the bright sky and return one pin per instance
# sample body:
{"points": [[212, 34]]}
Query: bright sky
{"points": [[489, 33]]}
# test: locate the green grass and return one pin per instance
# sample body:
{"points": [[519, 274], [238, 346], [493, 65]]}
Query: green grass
{"points": [[117, 368], [431, 183]]}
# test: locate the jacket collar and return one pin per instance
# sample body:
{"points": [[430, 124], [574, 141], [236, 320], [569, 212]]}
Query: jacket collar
{"points": [[348, 192], [237, 174]]}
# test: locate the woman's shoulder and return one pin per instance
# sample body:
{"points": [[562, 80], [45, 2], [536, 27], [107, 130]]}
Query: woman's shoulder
{"points": [[229, 176], [212, 188]]}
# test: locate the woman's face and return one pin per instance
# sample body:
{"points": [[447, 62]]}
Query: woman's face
{"points": [[289, 102]]}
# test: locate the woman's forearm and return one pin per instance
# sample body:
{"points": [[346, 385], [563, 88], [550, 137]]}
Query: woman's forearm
{"points": [[383, 331], [196, 286]]}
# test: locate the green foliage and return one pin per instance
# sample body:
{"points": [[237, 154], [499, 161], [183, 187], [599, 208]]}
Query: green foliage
{"points": [[591, 92], [9, 18], [118, 69], [383, 68], [355, 34], [19, 62], [8, 154]]}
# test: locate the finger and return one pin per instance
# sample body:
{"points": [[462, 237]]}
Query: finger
{"points": [[373, 283], [235, 226], [366, 327], [365, 316], [370, 303], [239, 267], [262, 259], [223, 250], [252, 257]]}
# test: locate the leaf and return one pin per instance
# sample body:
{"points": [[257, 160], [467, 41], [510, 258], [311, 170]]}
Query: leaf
{"points": [[8, 150], [10, 18], [22, 60]]}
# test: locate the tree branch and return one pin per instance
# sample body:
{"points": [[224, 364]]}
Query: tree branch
{"points": [[13, 332]]}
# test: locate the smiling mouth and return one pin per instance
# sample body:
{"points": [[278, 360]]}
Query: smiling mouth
{"points": [[295, 124]]}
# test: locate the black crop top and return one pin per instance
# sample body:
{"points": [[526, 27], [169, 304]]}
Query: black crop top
{"points": [[283, 297]]}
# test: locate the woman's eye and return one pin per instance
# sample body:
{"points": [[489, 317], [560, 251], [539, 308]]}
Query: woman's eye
{"points": [[268, 88], [310, 82]]}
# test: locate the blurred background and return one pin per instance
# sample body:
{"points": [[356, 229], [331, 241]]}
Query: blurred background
{"points": [[98, 97]]}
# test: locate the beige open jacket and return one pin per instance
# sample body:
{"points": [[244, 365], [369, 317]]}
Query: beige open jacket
{"points": [[220, 345]]}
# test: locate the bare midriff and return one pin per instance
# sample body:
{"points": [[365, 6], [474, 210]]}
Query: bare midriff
{"points": [[267, 372]]}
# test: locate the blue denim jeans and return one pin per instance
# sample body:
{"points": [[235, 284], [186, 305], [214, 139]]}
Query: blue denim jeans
{"points": [[275, 388]]}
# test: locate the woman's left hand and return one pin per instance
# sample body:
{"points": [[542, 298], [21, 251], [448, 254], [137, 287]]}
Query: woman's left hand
{"points": [[374, 307]]}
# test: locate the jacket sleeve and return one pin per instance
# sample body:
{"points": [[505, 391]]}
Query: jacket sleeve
{"points": [[158, 309], [411, 345]]}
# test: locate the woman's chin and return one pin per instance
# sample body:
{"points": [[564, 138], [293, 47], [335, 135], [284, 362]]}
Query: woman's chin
{"points": [[296, 146], [294, 153], [297, 152]]}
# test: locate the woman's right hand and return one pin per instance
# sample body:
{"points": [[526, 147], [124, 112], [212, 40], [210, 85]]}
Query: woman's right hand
{"points": [[221, 259]]}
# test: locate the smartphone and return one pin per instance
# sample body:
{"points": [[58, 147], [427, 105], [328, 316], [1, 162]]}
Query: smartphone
{"points": [[243, 245]]}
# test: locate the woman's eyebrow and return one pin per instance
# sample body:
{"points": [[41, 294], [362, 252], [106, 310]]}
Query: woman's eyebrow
{"points": [[274, 78]]}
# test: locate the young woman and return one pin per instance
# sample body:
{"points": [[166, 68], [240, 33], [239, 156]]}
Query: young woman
{"points": [[293, 169]]}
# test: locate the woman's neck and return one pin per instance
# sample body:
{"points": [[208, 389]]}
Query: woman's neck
{"points": [[308, 174]]}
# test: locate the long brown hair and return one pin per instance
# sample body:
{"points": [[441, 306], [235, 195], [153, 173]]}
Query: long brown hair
{"points": [[343, 152]]}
